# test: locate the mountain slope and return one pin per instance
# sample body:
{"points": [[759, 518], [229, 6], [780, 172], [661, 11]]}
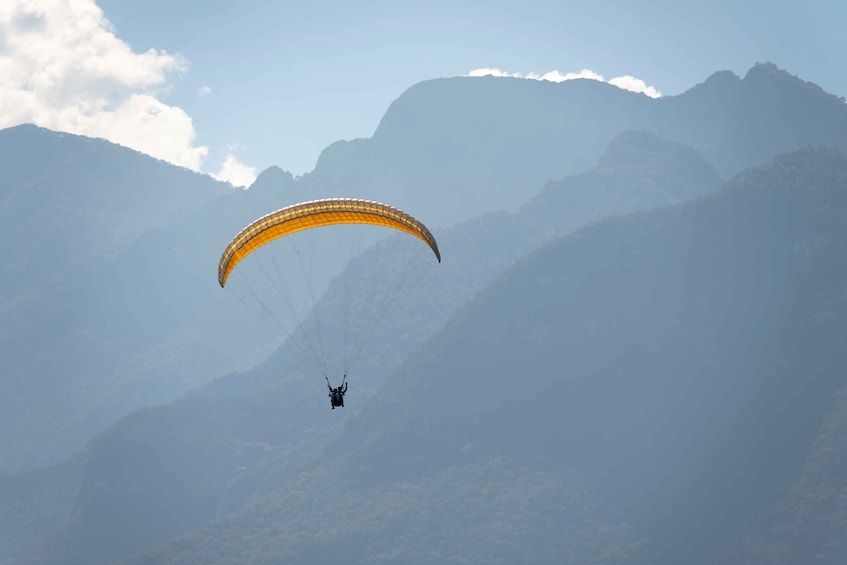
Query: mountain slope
{"points": [[104, 303], [810, 520], [681, 360]]}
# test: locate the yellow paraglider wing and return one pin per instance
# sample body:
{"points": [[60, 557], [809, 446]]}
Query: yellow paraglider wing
{"points": [[318, 213]]}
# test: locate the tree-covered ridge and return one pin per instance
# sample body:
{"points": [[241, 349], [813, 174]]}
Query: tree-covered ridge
{"points": [[638, 171], [809, 524], [35, 506], [506, 512], [99, 299]]}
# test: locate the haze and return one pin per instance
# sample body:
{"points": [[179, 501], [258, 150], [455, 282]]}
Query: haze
{"points": [[578, 271]]}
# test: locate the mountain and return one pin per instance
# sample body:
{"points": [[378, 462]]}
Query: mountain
{"points": [[736, 123], [268, 444], [108, 292], [66, 198], [487, 143], [638, 171], [679, 362], [290, 398], [111, 306], [659, 378]]}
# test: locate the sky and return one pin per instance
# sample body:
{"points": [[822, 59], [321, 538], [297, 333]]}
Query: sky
{"points": [[230, 89]]}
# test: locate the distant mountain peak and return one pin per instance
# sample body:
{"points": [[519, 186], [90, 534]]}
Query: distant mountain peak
{"points": [[767, 69], [628, 147], [719, 79], [338, 153], [763, 71], [31, 133], [769, 75], [633, 148], [23, 127], [638, 171], [272, 179]]}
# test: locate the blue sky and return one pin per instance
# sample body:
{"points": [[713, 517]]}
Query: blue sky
{"points": [[273, 83]]}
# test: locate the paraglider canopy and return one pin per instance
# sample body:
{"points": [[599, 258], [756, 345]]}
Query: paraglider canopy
{"points": [[317, 213]]}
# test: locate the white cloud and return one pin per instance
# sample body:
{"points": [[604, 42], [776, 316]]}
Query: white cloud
{"points": [[204, 91], [486, 72], [558, 76], [235, 172], [628, 82], [625, 82], [63, 67]]}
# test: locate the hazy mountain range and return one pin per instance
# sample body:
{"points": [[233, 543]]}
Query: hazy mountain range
{"points": [[582, 380]]}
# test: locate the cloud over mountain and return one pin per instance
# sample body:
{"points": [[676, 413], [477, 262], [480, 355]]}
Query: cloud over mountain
{"points": [[235, 172], [626, 82]]}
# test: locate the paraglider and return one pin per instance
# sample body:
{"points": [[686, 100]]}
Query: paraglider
{"points": [[318, 214], [336, 395]]}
